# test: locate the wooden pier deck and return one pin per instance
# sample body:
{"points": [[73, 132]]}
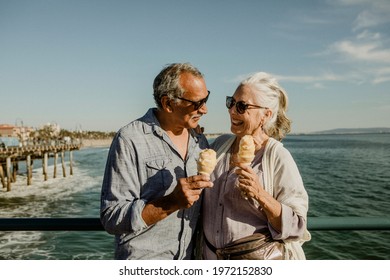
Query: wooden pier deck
{"points": [[11, 156]]}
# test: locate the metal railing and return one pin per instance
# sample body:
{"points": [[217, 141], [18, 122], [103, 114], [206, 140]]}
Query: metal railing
{"points": [[94, 224]]}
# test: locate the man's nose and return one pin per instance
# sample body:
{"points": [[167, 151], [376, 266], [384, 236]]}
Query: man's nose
{"points": [[203, 109]]}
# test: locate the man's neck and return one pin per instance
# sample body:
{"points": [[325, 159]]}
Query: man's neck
{"points": [[169, 125], [177, 134]]}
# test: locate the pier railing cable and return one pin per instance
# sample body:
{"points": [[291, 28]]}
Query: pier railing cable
{"points": [[94, 224]]}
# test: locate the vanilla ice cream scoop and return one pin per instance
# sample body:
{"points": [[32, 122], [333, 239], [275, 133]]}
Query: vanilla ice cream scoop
{"points": [[207, 161], [246, 151]]}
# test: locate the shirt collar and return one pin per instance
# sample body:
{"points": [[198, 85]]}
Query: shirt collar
{"points": [[151, 123]]}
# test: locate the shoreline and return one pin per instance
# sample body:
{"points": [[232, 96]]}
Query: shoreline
{"points": [[96, 143]]}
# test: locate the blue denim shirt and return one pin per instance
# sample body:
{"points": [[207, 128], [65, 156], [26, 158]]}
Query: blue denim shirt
{"points": [[143, 164]]}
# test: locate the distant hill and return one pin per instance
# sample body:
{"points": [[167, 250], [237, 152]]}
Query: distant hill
{"points": [[355, 130], [369, 130]]}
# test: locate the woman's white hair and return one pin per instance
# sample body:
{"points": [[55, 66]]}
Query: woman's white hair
{"points": [[271, 95]]}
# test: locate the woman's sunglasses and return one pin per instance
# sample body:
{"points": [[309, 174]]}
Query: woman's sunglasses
{"points": [[241, 106], [197, 104]]}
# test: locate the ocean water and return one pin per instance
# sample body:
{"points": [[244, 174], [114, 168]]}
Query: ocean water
{"points": [[345, 175], [76, 196]]}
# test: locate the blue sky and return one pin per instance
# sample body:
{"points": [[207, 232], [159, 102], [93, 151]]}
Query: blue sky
{"points": [[91, 64]]}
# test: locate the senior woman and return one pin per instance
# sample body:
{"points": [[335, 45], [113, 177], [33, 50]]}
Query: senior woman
{"points": [[266, 198]]}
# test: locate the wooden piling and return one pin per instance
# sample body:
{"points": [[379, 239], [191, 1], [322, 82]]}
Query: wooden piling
{"points": [[8, 168], [70, 162], [2, 177], [45, 166], [63, 163], [15, 168], [10, 157], [29, 169], [55, 164]]}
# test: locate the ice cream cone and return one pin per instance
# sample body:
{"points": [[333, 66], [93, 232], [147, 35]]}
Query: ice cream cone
{"points": [[207, 161], [246, 152]]}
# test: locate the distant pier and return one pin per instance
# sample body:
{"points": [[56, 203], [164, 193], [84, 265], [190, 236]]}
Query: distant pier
{"points": [[11, 156]]}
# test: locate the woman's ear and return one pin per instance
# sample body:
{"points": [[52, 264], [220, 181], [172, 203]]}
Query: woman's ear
{"points": [[268, 114]]}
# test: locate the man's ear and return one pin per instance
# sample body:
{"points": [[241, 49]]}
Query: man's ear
{"points": [[166, 104]]}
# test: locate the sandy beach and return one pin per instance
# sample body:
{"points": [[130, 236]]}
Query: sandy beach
{"points": [[90, 143]]}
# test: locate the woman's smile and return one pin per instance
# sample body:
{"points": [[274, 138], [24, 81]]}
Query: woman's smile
{"points": [[236, 122]]}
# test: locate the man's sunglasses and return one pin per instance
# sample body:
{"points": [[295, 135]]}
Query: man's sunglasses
{"points": [[197, 104], [241, 106]]}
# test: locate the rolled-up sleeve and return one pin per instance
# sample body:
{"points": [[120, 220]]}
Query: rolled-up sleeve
{"points": [[290, 192], [121, 206], [293, 226]]}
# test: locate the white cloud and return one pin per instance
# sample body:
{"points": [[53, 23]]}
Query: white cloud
{"points": [[311, 79], [382, 75], [365, 53], [306, 19], [373, 4], [239, 78], [379, 80], [383, 71], [373, 13], [368, 52], [308, 79], [367, 35], [372, 75], [367, 19], [317, 86], [371, 52], [351, 2]]}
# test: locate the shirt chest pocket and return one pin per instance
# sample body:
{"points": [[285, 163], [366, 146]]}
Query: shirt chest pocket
{"points": [[159, 177]]}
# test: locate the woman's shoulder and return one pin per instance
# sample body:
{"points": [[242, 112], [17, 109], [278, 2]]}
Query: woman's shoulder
{"points": [[278, 151]]}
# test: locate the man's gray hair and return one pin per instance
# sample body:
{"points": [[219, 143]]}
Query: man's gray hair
{"points": [[167, 81]]}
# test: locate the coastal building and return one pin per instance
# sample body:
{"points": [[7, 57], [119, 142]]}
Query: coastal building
{"points": [[7, 130], [20, 132]]}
